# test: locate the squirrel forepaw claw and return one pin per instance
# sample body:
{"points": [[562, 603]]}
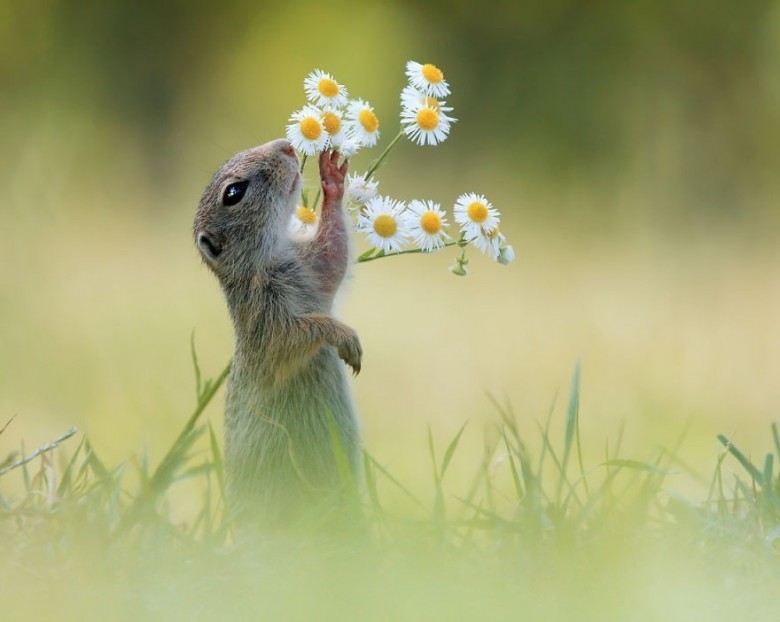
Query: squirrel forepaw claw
{"points": [[351, 353]]}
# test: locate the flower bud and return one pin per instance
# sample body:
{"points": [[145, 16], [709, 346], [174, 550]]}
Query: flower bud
{"points": [[506, 255], [459, 269]]}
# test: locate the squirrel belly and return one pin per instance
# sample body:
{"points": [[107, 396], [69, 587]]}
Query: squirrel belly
{"points": [[281, 454]]}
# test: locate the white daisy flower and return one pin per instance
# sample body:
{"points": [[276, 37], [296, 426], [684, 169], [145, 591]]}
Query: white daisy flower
{"points": [[349, 145], [475, 215], [489, 242], [323, 90], [384, 223], [306, 131], [411, 97], [359, 190], [427, 78], [426, 224], [362, 122], [303, 224], [332, 121], [426, 124], [506, 255]]}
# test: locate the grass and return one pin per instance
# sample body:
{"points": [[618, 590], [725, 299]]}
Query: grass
{"points": [[537, 534]]}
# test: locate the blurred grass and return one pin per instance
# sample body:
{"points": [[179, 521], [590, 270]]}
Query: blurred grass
{"points": [[631, 149], [591, 541]]}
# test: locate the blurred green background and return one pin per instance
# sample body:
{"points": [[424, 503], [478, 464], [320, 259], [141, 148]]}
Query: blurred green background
{"points": [[632, 147]]}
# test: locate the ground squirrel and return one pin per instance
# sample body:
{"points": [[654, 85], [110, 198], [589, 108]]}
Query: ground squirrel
{"points": [[287, 392]]}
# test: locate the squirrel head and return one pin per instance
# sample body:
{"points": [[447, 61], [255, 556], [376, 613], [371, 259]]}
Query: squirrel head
{"points": [[245, 209]]}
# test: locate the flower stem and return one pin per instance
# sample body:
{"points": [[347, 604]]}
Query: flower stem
{"points": [[364, 259], [378, 162], [303, 162]]}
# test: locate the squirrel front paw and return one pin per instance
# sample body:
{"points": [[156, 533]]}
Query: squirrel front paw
{"points": [[332, 175], [350, 351]]}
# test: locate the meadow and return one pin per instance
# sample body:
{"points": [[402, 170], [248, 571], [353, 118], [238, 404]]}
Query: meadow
{"points": [[587, 433], [555, 539]]}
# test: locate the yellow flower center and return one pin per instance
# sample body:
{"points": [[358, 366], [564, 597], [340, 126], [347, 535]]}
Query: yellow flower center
{"points": [[306, 216], [477, 211], [311, 128], [385, 226], [368, 120], [430, 222], [431, 102], [328, 87], [432, 73], [331, 122], [427, 119]]}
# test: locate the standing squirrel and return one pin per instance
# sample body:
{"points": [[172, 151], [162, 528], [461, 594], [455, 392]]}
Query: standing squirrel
{"points": [[292, 443]]}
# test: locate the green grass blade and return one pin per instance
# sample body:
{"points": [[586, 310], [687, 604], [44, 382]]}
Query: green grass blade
{"points": [[451, 451], [67, 473], [216, 460], [196, 366], [96, 464], [515, 475], [371, 487], [571, 426], [768, 468], [432, 452], [398, 484], [7, 423], [346, 474], [742, 459], [201, 469], [44, 449], [636, 465], [184, 440]]}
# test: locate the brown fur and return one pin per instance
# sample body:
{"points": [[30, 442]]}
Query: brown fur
{"points": [[287, 392]]}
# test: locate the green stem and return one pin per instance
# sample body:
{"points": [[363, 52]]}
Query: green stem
{"points": [[409, 252], [378, 162], [204, 401], [303, 162], [157, 481]]}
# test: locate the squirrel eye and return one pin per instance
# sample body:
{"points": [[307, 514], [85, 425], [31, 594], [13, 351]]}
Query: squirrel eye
{"points": [[234, 192]]}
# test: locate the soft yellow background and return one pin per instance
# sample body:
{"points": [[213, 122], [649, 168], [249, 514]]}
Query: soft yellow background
{"points": [[632, 149]]}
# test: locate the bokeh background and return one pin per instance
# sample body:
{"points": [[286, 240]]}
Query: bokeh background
{"points": [[632, 147]]}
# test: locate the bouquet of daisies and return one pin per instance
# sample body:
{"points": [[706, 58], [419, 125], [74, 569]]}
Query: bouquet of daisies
{"points": [[331, 120]]}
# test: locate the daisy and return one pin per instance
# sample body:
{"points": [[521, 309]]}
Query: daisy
{"points": [[333, 123], [428, 79], [426, 225], [426, 124], [349, 145], [359, 190], [506, 255], [303, 223], [306, 132], [362, 122], [411, 97], [384, 224], [489, 242], [475, 215], [322, 90]]}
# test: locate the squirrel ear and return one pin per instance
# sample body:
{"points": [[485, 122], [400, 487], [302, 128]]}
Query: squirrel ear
{"points": [[208, 248]]}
